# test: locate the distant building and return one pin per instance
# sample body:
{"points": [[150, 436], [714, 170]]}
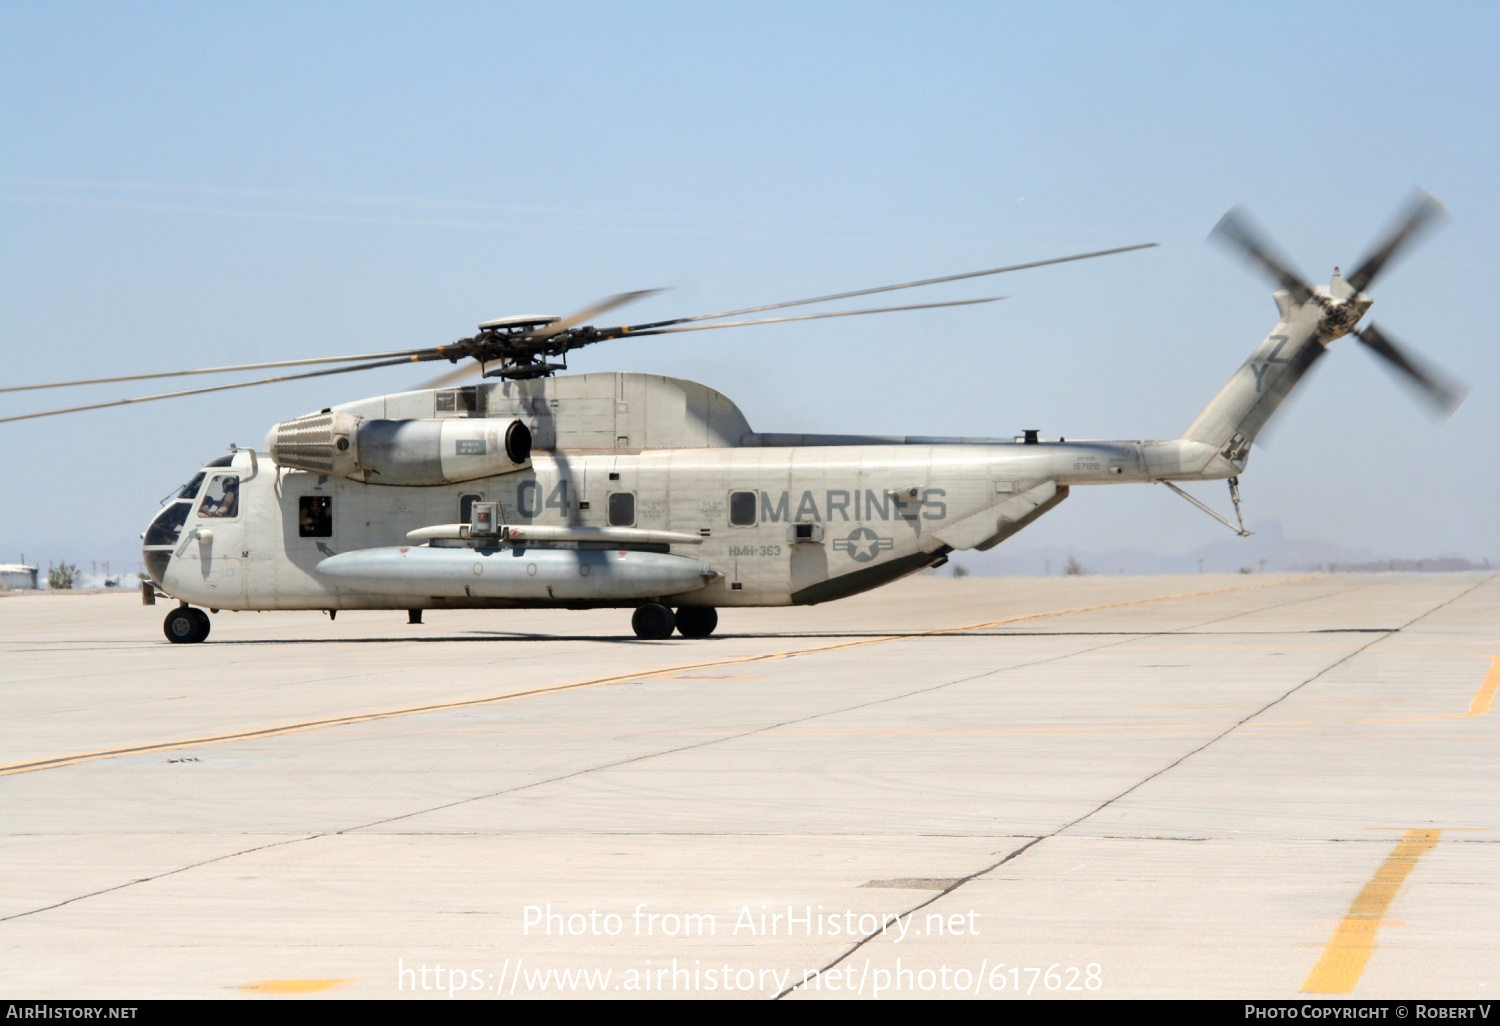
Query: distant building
{"points": [[18, 576]]}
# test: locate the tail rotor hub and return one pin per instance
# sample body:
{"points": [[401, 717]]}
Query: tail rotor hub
{"points": [[1345, 302]]}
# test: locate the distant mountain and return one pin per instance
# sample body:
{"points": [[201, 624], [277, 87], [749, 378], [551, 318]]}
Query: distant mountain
{"points": [[1268, 549]]}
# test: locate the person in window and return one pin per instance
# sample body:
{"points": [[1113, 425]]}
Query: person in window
{"points": [[227, 504], [315, 516]]}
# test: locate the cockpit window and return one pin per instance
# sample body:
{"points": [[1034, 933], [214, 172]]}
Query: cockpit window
{"points": [[222, 499], [221, 461], [167, 527], [190, 490]]}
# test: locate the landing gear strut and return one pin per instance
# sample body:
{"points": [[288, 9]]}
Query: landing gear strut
{"points": [[653, 621], [697, 621], [186, 625]]}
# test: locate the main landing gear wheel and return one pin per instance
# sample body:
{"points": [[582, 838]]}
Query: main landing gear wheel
{"points": [[697, 621], [653, 621], [185, 625]]}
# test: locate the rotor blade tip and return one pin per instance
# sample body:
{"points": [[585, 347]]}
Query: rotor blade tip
{"points": [[1427, 199]]}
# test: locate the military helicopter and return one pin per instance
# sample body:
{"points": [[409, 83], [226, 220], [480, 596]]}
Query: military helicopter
{"points": [[534, 489]]}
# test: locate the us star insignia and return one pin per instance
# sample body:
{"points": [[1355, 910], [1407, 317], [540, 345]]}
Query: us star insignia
{"points": [[863, 544]]}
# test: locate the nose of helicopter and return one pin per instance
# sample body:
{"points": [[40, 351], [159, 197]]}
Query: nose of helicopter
{"points": [[161, 535], [165, 529]]}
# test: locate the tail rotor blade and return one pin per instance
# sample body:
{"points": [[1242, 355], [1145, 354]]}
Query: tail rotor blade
{"points": [[1444, 395], [1236, 230], [1423, 210]]}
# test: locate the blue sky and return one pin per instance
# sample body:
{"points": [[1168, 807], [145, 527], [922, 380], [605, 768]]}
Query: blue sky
{"points": [[194, 184]]}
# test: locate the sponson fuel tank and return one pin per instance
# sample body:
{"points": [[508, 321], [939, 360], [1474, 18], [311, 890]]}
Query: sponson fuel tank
{"points": [[583, 575], [401, 452]]}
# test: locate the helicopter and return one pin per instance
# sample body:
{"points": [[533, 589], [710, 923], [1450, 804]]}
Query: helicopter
{"points": [[537, 489]]}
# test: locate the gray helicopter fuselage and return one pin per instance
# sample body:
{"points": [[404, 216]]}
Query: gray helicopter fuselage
{"points": [[775, 519]]}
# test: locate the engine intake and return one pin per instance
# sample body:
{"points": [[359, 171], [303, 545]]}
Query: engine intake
{"points": [[322, 443]]}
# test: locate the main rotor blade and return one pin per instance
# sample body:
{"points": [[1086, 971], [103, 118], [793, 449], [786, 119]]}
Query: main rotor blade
{"points": [[201, 391], [637, 328], [414, 354], [812, 317], [1237, 230], [457, 374], [1444, 395], [1423, 209], [588, 313]]}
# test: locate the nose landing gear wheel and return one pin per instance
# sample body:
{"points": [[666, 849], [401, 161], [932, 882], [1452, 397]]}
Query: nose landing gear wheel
{"points": [[653, 621], [185, 625], [697, 621]]}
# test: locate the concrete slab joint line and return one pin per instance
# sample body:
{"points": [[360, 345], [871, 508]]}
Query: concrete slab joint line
{"points": [[161, 875], [1343, 960], [57, 762], [830, 712], [1018, 852], [702, 744]]}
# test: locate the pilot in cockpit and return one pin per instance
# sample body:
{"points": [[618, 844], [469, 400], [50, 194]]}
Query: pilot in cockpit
{"points": [[223, 498]]}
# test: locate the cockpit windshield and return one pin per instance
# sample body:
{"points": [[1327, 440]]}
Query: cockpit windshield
{"points": [[190, 490], [167, 527]]}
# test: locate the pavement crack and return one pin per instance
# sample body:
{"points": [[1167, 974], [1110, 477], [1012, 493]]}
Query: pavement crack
{"points": [[642, 757], [797, 720], [1031, 840], [1016, 853]]}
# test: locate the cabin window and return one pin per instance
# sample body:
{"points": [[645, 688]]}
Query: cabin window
{"points": [[742, 509], [621, 509], [222, 498], [315, 516], [466, 506]]}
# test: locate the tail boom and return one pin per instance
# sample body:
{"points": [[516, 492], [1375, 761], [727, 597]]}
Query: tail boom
{"points": [[1230, 423]]}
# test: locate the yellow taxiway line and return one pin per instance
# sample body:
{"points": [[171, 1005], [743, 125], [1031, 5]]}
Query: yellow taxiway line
{"points": [[294, 986], [278, 730], [1343, 960], [1483, 701]]}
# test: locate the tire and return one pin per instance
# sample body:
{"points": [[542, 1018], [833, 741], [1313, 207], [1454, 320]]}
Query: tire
{"points": [[203, 622], [181, 627], [697, 621], [653, 622]]}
